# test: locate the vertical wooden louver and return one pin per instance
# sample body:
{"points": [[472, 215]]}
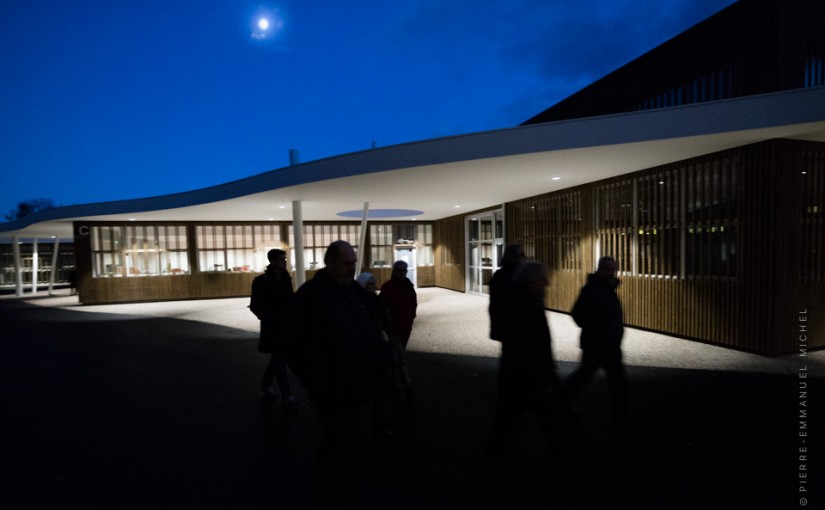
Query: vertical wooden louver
{"points": [[726, 248]]}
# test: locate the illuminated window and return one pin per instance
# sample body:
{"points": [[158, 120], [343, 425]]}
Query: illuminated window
{"points": [[139, 250], [381, 250], [424, 245], [383, 239], [236, 248], [318, 236]]}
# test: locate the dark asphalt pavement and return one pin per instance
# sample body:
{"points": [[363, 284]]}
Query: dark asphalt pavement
{"points": [[119, 411]]}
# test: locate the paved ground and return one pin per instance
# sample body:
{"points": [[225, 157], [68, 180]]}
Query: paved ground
{"points": [[157, 406]]}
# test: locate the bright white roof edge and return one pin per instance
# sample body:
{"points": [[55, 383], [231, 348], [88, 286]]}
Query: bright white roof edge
{"points": [[473, 171]]}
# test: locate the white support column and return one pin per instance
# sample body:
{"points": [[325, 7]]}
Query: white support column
{"points": [[18, 268], [35, 266], [298, 242], [53, 272], [362, 241]]}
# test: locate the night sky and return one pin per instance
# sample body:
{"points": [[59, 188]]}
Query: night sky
{"points": [[118, 99]]}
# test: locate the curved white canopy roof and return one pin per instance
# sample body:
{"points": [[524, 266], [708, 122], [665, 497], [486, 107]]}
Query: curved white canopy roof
{"points": [[473, 171]]}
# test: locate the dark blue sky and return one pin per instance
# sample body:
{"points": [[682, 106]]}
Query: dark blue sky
{"points": [[114, 99]]}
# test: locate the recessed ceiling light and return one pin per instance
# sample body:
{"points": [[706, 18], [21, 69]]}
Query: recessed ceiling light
{"points": [[457, 206], [271, 219], [556, 178], [131, 219], [281, 207]]}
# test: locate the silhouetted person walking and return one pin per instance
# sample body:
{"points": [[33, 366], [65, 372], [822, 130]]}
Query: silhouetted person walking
{"points": [[500, 285], [598, 312], [399, 296], [337, 359], [272, 302], [527, 379], [388, 354]]}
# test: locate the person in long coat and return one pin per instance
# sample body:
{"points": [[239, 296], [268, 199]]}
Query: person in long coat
{"points": [[272, 301], [598, 312], [337, 358], [527, 378]]}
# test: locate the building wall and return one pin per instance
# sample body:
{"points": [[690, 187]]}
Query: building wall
{"points": [[192, 248], [726, 248]]}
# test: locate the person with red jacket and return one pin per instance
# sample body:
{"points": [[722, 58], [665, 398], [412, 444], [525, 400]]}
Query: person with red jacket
{"points": [[399, 296]]}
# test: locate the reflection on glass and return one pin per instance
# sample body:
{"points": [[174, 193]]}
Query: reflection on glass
{"points": [[486, 228], [486, 275]]}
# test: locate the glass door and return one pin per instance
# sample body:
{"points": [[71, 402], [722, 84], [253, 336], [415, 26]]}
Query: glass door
{"points": [[485, 241]]}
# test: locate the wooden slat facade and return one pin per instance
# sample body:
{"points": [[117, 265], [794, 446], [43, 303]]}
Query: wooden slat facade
{"points": [[450, 248], [726, 248]]}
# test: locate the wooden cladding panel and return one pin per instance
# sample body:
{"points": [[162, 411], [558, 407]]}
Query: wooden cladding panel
{"points": [[166, 288], [701, 309], [810, 201], [448, 238], [726, 248], [425, 276]]}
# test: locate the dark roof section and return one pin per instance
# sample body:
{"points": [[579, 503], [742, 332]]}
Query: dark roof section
{"points": [[751, 47]]}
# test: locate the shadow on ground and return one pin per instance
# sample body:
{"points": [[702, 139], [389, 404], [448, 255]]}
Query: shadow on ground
{"points": [[109, 411]]}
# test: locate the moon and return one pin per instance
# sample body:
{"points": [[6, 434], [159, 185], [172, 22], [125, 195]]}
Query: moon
{"points": [[266, 24]]}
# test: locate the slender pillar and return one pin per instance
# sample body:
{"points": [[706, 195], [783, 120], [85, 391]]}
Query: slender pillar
{"points": [[298, 230], [18, 268], [298, 242], [362, 241], [53, 272], [35, 266]]}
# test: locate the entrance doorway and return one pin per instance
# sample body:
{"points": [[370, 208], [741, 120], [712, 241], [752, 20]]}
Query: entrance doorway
{"points": [[485, 245], [407, 254]]}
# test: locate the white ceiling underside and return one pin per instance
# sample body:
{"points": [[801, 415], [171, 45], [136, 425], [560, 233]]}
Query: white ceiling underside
{"points": [[475, 171]]}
